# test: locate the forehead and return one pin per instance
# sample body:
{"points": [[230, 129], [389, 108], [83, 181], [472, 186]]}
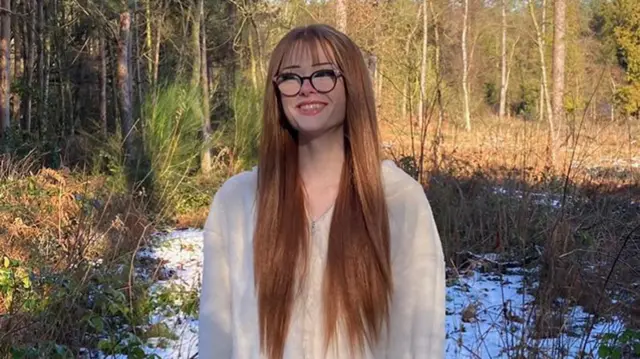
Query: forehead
{"points": [[307, 54]]}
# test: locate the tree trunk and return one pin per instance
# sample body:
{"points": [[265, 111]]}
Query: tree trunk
{"points": [[42, 122], [103, 83], [503, 58], [148, 42], [407, 49], [423, 64], [226, 75], [465, 68], [543, 89], [5, 67], [253, 61], [559, 55], [438, 135], [30, 56], [137, 58], [257, 48], [545, 102], [18, 63], [124, 87], [614, 90], [205, 160], [341, 13], [378, 81], [374, 60], [509, 64], [156, 54], [195, 43]]}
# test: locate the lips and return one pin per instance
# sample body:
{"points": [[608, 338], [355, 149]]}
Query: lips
{"points": [[310, 108]]}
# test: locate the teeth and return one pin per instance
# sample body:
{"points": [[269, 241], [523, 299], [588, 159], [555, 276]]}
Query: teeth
{"points": [[313, 106]]}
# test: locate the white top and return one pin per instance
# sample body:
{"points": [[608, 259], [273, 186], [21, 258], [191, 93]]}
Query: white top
{"points": [[228, 304]]}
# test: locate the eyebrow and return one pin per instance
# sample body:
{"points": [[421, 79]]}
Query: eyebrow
{"points": [[297, 67]]}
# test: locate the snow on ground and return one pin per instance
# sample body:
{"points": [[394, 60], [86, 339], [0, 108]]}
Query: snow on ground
{"points": [[476, 325], [181, 253], [486, 313], [544, 199]]}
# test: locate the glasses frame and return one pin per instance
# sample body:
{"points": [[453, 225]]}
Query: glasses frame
{"points": [[301, 80]]}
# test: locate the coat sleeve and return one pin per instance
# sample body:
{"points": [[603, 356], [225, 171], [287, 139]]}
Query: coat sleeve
{"points": [[215, 341], [417, 315]]}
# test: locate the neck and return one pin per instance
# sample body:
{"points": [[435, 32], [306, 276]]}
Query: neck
{"points": [[320, 159]]}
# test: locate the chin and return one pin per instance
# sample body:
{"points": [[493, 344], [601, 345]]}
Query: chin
{"points": [[316, 130], [312, 132]]}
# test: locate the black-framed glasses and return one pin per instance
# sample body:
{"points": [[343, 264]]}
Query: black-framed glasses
{"points": [[322, 81]]}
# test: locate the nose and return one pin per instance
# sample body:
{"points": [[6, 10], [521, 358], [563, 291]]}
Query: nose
{"points": [[306, 87]]}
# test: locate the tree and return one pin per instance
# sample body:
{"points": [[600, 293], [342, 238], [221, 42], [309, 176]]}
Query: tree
{"points": [[407, 58], [619, 20], [43, 72], [465, 68], [124, 87], [341, 14], [503, 63], [545, 101], [29, 60], [5, 66], [196, 56], [423, 64], [102, 49], [559, 55], [205, 158]]}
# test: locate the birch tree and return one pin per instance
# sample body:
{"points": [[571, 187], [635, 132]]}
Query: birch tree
{"points": [[503, 63], [341, 14], [205, 159], [407, 57], [558, 65], [545, 102], [438, 71], [423, 63], [465, 68]]}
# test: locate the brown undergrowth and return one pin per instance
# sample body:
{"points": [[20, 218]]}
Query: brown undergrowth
{"points": [[604, 153], [66, 259], [493, 190], [69, 239]]}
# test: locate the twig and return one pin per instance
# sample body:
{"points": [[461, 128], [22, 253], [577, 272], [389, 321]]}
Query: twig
{"points": [[131, 269], [604, 287]]}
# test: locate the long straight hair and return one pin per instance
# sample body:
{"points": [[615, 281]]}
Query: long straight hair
{"points": [[357, 284]]}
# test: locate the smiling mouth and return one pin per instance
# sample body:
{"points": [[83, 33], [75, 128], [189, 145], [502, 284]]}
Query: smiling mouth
{"points": [[310, 108]]}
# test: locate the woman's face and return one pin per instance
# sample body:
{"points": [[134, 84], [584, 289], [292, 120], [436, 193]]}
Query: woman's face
{"points": [[312, 111]]}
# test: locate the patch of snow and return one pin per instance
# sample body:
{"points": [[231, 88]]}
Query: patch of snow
{"points": [[476, 323], [488, 315], [181, 254], [539, 198]]}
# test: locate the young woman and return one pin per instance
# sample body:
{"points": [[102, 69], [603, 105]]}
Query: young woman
{"points": [[323, 251]]}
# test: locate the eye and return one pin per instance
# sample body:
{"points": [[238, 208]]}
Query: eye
{"points": [[288, 77], [325, 73]]}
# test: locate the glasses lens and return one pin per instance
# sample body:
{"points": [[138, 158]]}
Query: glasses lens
{"points": [[289, 85], [324, 80]]}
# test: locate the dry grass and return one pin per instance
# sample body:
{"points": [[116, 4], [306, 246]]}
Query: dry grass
{"points": [[596, 152], [68, 219], [493, 190], [61, 234]]}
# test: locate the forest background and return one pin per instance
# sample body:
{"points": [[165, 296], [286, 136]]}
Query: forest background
{"points": [[120, 119]]}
